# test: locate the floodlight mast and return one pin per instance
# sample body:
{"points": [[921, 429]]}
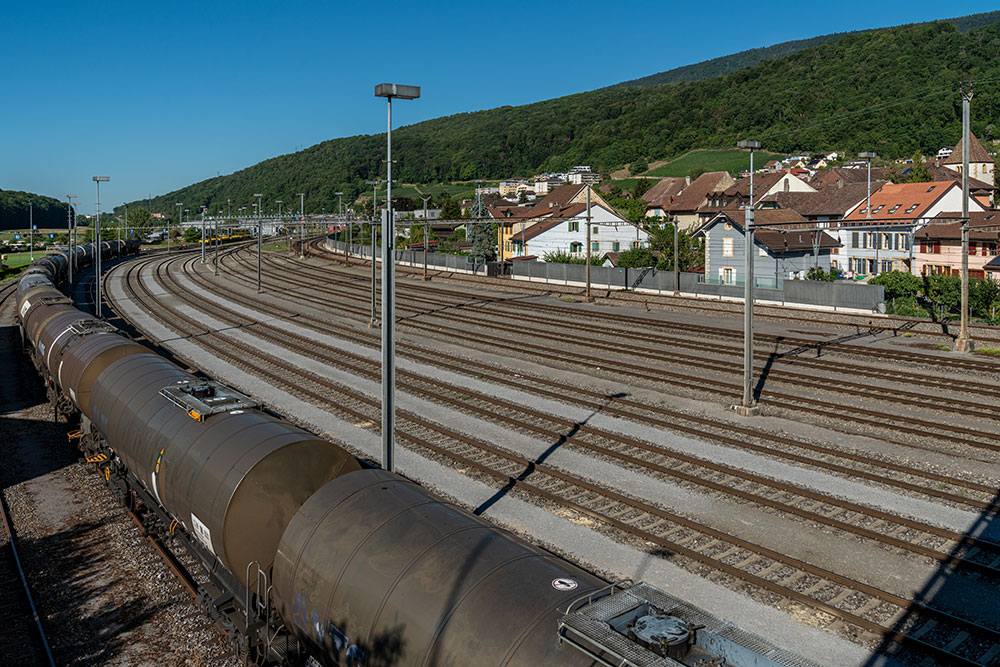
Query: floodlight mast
{"points": [[389, 91]]}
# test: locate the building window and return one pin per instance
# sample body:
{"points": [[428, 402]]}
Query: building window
{"points": [[728, 275], [887, 241], [972, 247], [594, 230], [727, 246], [576, 247], [616, 246], [911, 209], [635, 245], [595, 246], [574, 225], [855, 240]]}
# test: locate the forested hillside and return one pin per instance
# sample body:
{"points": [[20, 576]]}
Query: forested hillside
{"points": [[48, 212], [894, 91], [736, 61]]}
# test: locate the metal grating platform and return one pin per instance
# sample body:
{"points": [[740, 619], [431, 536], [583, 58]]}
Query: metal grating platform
{"points": [[591, 628], [202, 399]]}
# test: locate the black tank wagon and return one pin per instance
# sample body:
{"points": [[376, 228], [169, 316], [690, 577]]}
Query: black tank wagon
{"points": [[312, 555]]}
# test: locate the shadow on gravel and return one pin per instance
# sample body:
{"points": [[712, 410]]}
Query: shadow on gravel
{"points": [[945, 590], [74, 589], [530, 468]]}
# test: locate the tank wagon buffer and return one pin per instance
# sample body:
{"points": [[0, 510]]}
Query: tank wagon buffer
{"points": [[313, 556]]}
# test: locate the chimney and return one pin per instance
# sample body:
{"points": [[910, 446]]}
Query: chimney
{"points": [[787, 185], [840, 183], [687, 181]]}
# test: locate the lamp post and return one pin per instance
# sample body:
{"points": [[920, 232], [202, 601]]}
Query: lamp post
{"points": [[260, 234], [963, 343], [748, 407], [97, 252], [70, 234], [427, 234], [389, 91]]}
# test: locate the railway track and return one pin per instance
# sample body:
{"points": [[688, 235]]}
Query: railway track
{"points": [[786, 348], [22, 634], [849, 605], [516, 340], [886, 324]]}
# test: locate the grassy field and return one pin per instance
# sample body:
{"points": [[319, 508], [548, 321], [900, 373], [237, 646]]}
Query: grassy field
{"points": [[41, 235], [15, 259], [733, 161], [457, 190]]}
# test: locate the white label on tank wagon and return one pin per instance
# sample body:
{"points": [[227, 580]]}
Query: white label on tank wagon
{"points": [[202, 532], [24, 308], [564, 584]]}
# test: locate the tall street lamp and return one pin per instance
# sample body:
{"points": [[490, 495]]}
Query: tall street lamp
{"points": [[97, 252], [748, 408], [70, 234], [963, 343], [389, 91]]}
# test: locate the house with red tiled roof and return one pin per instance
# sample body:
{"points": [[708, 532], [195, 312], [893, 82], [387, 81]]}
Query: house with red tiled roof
{"points": [[938, 247], [659, 197], [883, 240], [785, 247], [980, 161], [738, 194]]}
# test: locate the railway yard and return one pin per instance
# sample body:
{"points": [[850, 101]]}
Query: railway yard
{"points": [[853, 522]]}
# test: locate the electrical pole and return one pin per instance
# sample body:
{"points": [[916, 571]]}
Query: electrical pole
{"points": [[586, 297], [70, 235], [31, 230], [180, 206], [677, 271], [374, 233], [302, 224], [260, 236], [427, 236], [202, 234], [748, 408], [964, 343], [97, 252]]}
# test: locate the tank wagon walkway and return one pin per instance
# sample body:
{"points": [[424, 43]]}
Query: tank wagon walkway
{"points": [[626, 465]]}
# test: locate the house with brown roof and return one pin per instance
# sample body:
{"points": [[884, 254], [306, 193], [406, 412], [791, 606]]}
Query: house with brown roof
{"points": [[738, 194], [785, 247], [826, 205], [558, 223], [659, 197], [938, 247], [883, 240], [683, 207], [980, 161]]}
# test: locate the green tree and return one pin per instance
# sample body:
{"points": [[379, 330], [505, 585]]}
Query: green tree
{"points": [[641, 187], [639, 167], [690, 253], [897, 284], [483, 238], [634, 258], [451, 209], [944, 291], [192, 234]]}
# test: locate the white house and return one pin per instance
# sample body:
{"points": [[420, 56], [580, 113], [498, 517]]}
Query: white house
{"points": [[566, 231]]}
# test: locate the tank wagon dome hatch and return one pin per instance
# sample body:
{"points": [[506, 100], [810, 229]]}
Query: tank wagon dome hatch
{"points": [[642, 626], [205, 398]]}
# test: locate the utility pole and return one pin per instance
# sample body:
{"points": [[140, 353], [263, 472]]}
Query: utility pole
{"points": [[586, 297], [748, 407], [964, 343], [374, 233], [124, 222], [302, 224], [180, 208], [217, 241], [70, 235], [260, 236], [31, 230], [677, 271], [427, 236], [97, 251], [202, 234]]}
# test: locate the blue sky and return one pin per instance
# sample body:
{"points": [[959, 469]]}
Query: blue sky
{"points": [[161, 95]]}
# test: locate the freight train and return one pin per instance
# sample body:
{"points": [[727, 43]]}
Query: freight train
{"points": [[313, 556]]}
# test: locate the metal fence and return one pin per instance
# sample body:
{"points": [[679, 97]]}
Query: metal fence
{"points": [[834, 295]]}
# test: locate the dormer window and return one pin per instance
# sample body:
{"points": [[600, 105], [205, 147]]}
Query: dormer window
{"points": [[879, 208], [911, 209], [931, 188], [894, 208]]}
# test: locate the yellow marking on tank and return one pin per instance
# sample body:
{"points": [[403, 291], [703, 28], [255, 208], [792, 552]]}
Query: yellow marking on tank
{"points": [[195, 415]]}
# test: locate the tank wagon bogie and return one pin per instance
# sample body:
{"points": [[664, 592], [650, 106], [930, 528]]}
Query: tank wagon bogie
{"points": [[310, 555]]}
